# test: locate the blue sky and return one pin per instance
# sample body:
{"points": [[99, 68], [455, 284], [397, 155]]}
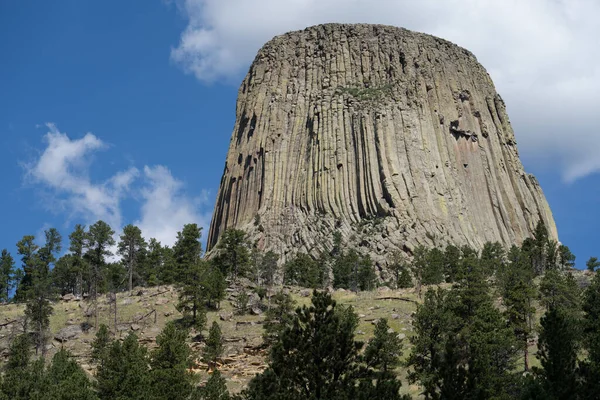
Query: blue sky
{"points": [[132, 103]]}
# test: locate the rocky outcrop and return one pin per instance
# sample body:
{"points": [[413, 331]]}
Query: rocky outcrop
{"points": [[391, 137]]}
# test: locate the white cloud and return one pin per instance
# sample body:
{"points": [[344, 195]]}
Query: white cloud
{"points": [[540, 53], [63, 169], [166, 208]]}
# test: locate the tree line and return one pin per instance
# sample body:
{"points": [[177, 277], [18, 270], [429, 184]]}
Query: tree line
{"points": [[472, 336]]}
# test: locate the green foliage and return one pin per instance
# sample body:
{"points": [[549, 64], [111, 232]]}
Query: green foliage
{"points": [[558, 347], [7, 273], [40, 291], [384, 350], [265, 267], [233, 257], [591, 338], [451, 262], [462, 347], [354, 272], [214, 345], [27, 249], [303, 271], [215, 388], [559, 289], [99, 240], [566, 259], [277, 317], [592, 263], [241, 303], [213, 283], [492, 257], [192, 295], [518, 293], [79, 265], [101, 344], [186, 251], [433, 271], [169, 375], [316, 357], [64, 275], [66, 380], [125, 373], [131, 247]]}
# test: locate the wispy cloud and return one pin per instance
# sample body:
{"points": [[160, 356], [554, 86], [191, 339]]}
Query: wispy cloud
{"points": [[62, 169], [540, 54], [166, 207]]}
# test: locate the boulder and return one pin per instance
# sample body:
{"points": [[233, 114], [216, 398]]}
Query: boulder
{"points": [[68, 333]]}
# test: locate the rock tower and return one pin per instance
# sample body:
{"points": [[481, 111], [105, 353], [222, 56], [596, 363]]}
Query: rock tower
{"points": [[391, 137]]}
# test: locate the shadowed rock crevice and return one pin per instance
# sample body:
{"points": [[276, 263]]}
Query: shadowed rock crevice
{"points": [[342, 126]]}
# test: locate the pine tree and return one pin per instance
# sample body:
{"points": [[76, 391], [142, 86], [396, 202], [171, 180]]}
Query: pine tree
{"points": [[125, 372], [451, 262], [316, 357], [192, 295], [215, 388], [592, 263], [303, 270], [433, 270], [131, 247], [99, 239], [384, 350], [558, 348], [101, 344], [518, 293], [66, 380], [213, 285], [559, 289], [214, 346], [566, 259], [7, 273], [27, 249], [38, 308], [234, 256], [170, 378], [78, 241], [591, 339], [353, 271], [268, 268], [23, 379], [277, 317]]}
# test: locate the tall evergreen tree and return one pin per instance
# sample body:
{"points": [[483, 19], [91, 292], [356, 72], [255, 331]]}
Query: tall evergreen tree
{"points": [[39, 308], [99, 239], [170, 378], [125, 372], [27, 249], [277, 317], [303, 270], [192, 295], [558, 348], [518, 294], [66, 380], [234, 255], [316, 357], [214, 346], [215, 388], [591, 338], [566, 259], [131, 248], [592, 263], [7, 274], [78, 241], [559, 289]]}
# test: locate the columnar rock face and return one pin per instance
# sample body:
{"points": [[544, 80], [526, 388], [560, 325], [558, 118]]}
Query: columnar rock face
{"points": [[391, 137]]}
